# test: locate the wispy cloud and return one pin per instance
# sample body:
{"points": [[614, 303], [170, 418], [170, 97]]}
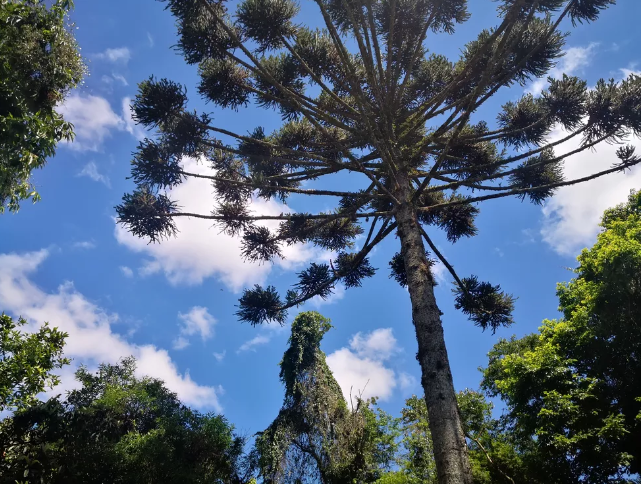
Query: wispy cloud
{"points": [[180, 343], [121, 55], [251, 345], [94, 120], [120, 78], [150, 39], [127, 272], [220, 356], [84, 244], [90, 170], [572, 215]]}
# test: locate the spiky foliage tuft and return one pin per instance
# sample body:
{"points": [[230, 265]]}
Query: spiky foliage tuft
{"points": [[158, 101], [315, 280], [258, 245], [351, 271], [154, 165], [486, 305], [259, 305], [147, 214], [224, 83], [397, 268], [538, 172], [267, 22]]}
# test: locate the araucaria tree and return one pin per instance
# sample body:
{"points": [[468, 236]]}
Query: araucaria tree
{"points": [[362, 98]]}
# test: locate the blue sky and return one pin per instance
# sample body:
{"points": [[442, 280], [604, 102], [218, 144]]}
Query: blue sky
{"points": [[172, 306]]}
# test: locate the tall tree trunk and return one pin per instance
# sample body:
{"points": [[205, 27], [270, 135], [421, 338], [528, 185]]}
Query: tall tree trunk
{"points": [[450, 448]]}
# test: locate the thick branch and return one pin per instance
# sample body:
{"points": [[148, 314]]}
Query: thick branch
{"points": [[253, 218], [520, 191]]}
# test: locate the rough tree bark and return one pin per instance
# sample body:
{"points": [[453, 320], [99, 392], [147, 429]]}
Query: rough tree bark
{"points": [[450, 448]]}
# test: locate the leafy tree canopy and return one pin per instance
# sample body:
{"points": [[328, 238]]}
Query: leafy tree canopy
{"points": [[118, 428], [39, 64], [573, 389], [27, 362]]}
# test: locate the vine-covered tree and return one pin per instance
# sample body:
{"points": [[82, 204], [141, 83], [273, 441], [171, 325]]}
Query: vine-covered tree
{"points": [[573, 390], [317, 437], [39, 63], [361, 99]]}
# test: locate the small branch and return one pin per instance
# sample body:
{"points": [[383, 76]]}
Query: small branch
{"points": [[489, 459], [442, 259], [301, 191]]}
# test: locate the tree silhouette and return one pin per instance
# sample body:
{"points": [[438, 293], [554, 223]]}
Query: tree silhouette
{"points": [[362, 98]]}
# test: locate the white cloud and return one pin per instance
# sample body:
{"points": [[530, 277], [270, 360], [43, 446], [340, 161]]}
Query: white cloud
{"points": [[150, 39], [84, 244], [250, 345], [572, 216], [121, 55], [220, 356], [196, 321], [126, 271], [200, 250], [573, 62], [130, 125], [92, 118], [379, 344], [91, 338], [360, 368], [90, 170]]}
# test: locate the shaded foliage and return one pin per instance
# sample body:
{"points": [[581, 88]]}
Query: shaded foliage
{"points": [[122, 429]]}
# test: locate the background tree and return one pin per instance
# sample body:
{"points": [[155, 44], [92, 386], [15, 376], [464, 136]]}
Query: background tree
{"points": [[396, 125], [27, 362], [121, 429], [39, 64], [316, 436], [574, 388], [494, 457]]}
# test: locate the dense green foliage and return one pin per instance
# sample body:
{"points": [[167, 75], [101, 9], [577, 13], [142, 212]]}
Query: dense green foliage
{"points": [[117, 428], [317, 437], [39, 64], [27, 362], [573, 390]]}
